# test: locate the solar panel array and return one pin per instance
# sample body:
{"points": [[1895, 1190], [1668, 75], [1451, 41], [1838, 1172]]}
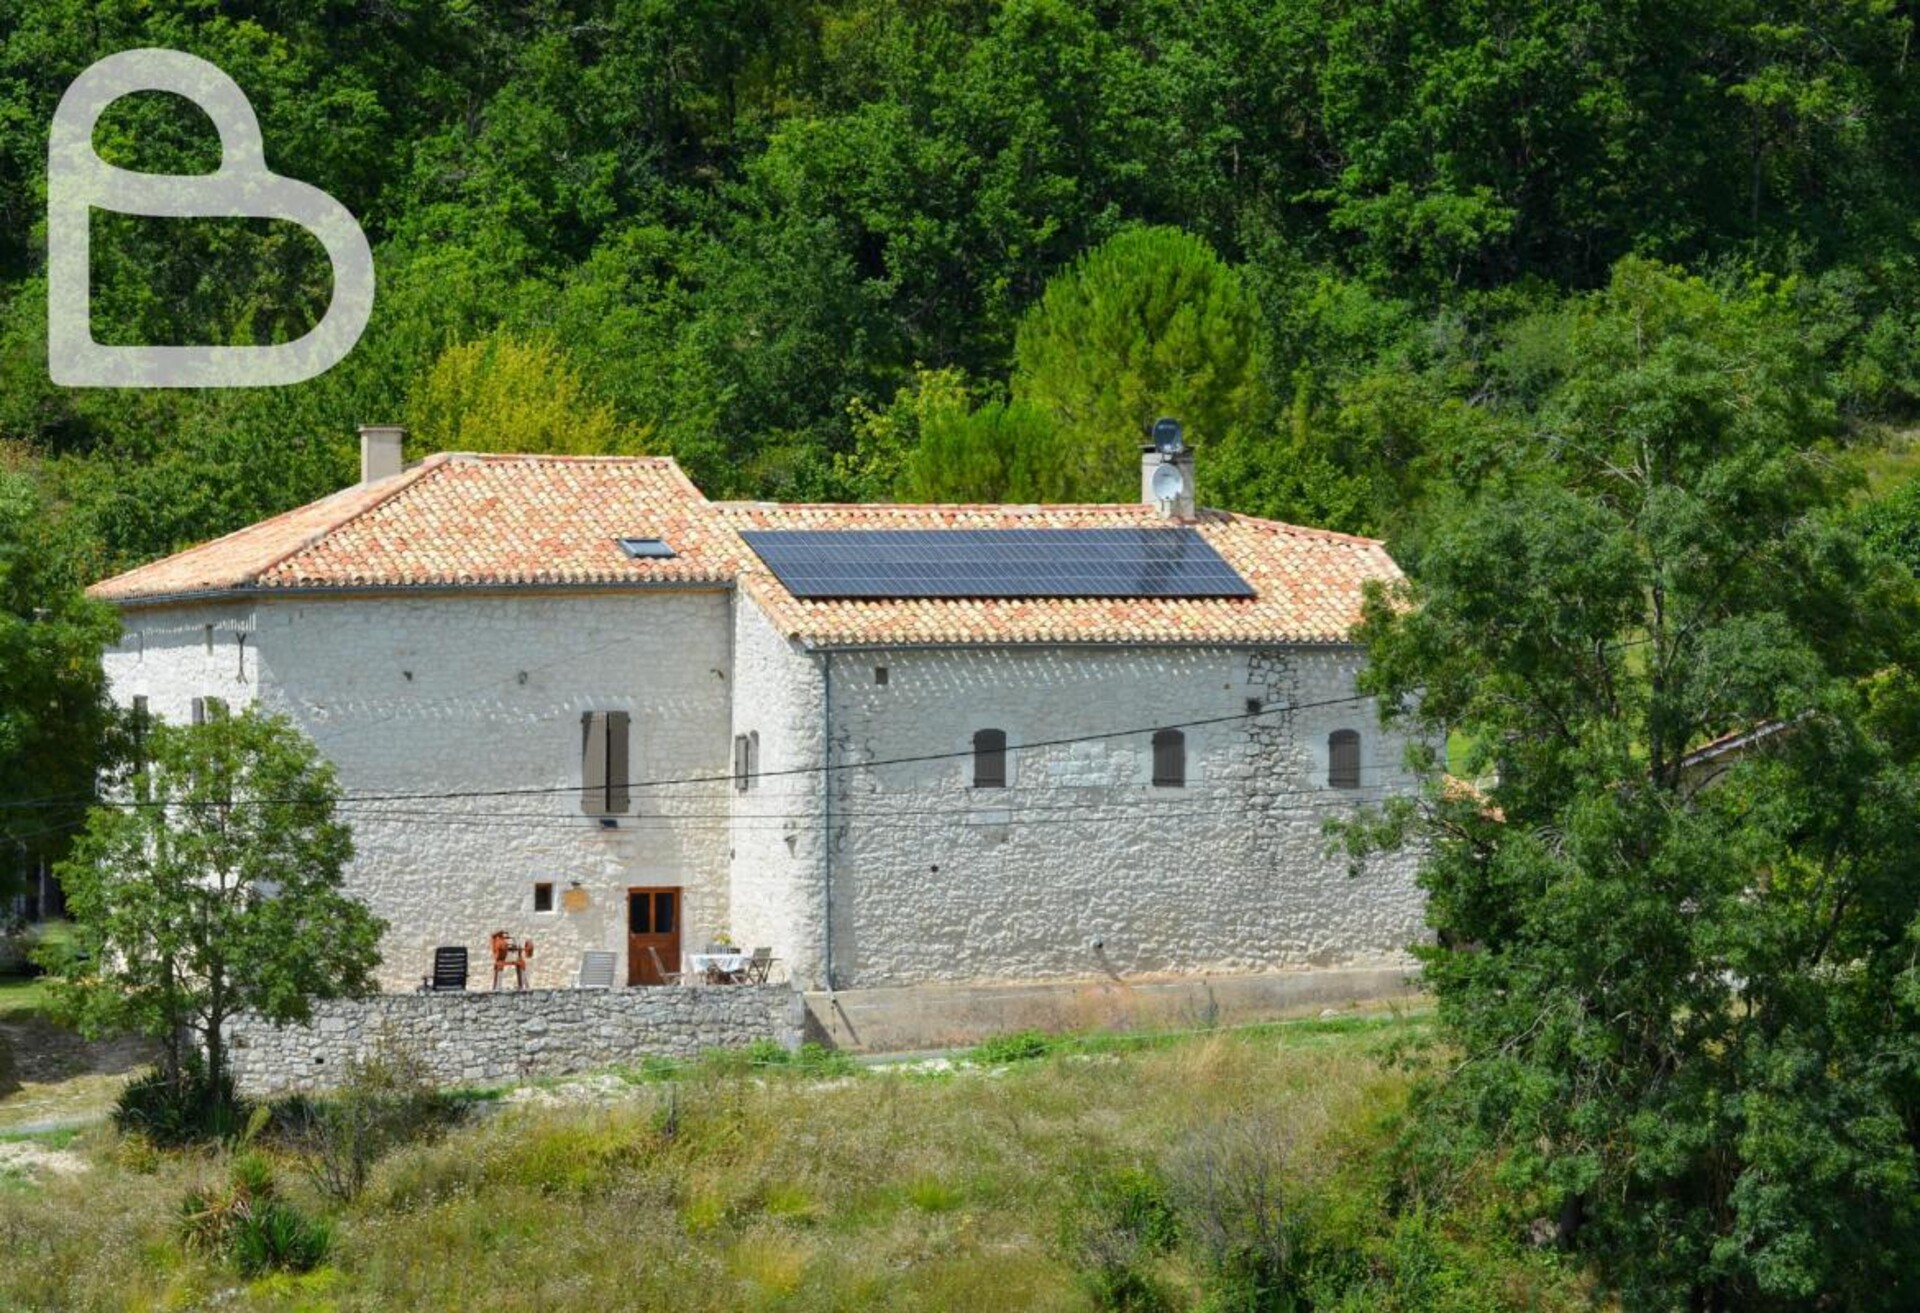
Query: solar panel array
{"points": [[893, 563]]}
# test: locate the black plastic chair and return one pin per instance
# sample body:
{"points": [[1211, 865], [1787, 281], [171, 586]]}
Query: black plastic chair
{"points": [[449, 970]]}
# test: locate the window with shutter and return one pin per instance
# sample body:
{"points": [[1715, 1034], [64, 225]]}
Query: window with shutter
{"points": [[619, 763], [739, 763], [1343, 759], [593, 763], [605, 783], [1170, 759], [990, 759]]}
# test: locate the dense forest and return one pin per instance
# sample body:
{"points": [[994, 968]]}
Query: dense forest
{"points": [[867, 249], [1605, 314]]}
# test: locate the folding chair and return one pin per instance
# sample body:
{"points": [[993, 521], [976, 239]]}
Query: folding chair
{"points": [[596, 971], [666, 977]]}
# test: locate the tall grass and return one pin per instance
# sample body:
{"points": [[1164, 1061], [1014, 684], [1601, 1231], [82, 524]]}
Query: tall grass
{"points": [[728, 1189]]}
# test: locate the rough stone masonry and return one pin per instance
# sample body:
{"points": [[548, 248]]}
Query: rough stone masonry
{"points": [[481, 1037]]}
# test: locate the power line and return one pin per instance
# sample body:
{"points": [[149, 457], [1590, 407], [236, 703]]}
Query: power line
{"points": [[977, 815], [727, 777]]}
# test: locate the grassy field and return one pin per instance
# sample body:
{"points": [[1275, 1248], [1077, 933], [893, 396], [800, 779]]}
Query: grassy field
{"points": [[22, 996], [49, 1075], [1073, 1176]]}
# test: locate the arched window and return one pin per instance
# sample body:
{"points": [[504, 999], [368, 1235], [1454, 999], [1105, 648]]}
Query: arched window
{"points": [[1170, 759], [1343, 759], [990, 759]]}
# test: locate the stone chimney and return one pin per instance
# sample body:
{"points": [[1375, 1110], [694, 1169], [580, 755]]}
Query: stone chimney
{"points": [[380, 456], [1154, 486]]}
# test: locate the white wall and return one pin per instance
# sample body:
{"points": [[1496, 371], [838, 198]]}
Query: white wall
{"points": [[442, 695], [934, 880], [776, 844], [426, 695]]}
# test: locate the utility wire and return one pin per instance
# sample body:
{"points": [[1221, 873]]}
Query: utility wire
{"points": [[727, 777]]}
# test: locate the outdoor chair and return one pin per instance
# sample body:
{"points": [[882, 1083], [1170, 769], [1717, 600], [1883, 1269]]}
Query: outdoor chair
{"points": [[759, 966], [596, 971], [449, 970], [666, 977]]}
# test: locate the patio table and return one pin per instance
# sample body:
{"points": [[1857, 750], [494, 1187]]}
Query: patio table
{"points": [[721, 968]]}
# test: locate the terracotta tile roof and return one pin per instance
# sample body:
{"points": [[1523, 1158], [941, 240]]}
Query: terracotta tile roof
{"points": [[461, 520], [466, 520], [1307, 583]]}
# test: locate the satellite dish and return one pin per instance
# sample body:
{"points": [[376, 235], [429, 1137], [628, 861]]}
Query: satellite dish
{"points": [[1168, 483], [1168, 437]]}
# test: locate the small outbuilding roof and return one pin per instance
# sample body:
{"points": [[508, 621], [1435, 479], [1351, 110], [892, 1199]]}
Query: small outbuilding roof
{"points": [[498, 521]]}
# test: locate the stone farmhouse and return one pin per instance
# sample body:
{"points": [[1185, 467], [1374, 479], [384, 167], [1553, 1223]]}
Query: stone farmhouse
{"points": [[572, 698]]}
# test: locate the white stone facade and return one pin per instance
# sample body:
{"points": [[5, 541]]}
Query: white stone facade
{"points": [[1081, 866], [469, 705]]}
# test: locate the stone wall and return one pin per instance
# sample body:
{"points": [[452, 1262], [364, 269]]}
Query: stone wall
{"points": [[481, 1037], [468, 707], [1081, 867], [776, 847]]}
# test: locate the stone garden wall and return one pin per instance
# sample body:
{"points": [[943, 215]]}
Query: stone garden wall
{"points": [[480, 1037]]}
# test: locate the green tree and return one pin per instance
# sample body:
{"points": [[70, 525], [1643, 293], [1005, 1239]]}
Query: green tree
{"points": [[213, 886], [933, 444], [1684, 995], [501, 394], [57, 727], [1891, 523], [1150, 323]]}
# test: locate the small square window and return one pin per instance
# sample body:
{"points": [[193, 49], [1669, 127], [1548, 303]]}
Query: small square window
{"points": [[543, 896], [879, 674]]}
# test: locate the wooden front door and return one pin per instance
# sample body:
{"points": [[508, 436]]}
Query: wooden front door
{"points": [[653, 922]]}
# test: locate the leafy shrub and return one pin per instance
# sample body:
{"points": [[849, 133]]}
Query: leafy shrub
{"points": [[247, 1223], [1122, 1221], [183, 1107], [1019, 1046], [819, 1060], [761, 1056], [1228, 1180], [385, 1101], [278, 1236], [768, 1053]]}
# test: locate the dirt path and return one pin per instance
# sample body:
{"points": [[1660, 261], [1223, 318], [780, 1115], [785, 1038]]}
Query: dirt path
{"points": [[50, 1076]]}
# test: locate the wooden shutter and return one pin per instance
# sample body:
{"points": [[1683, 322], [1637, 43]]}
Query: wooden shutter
{"points": [[593, 763], [619, 758], [990, 759], [1343, 759], [740, 763], [199, 716], [1170, 759]]}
